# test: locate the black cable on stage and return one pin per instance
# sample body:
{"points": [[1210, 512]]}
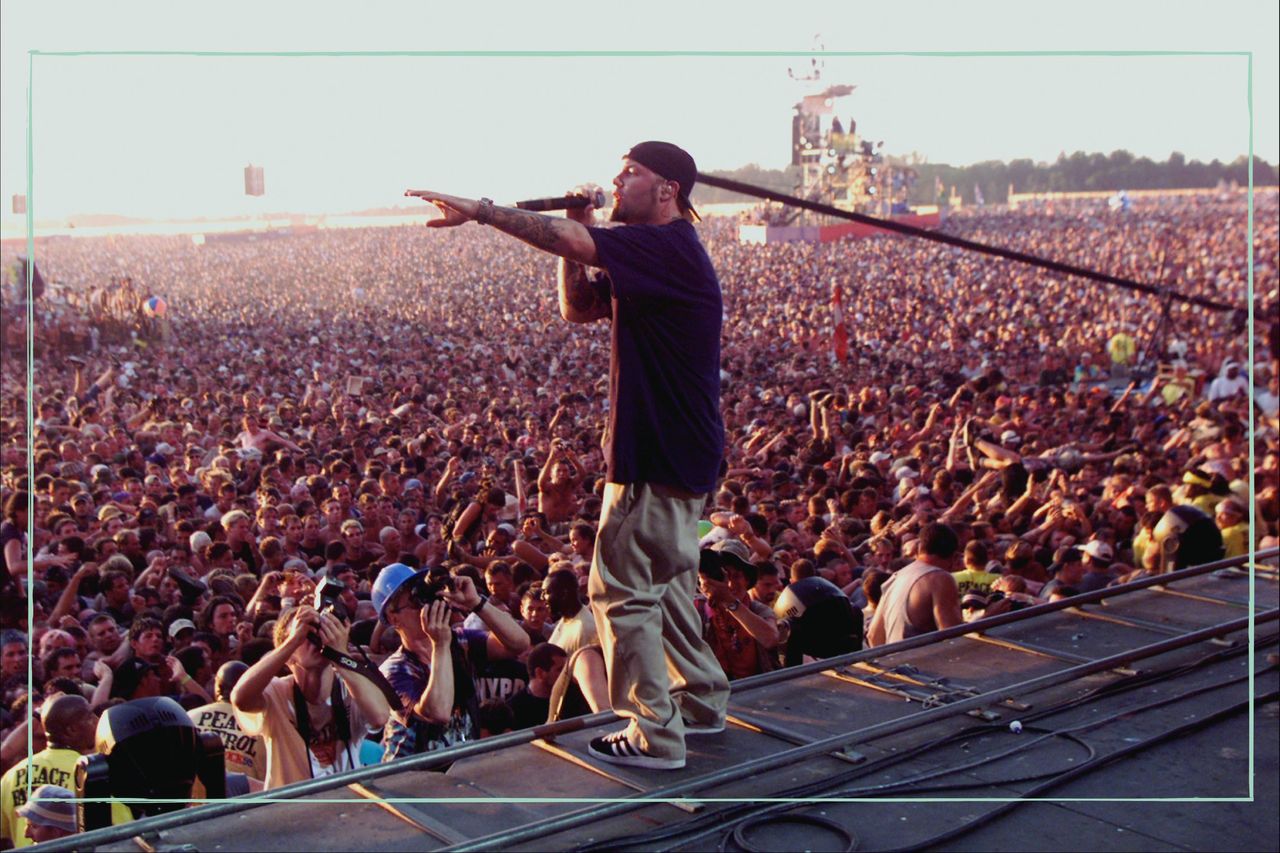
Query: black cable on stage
{"points": [[1053, 777], [960, 242], [728, 817], [739, 834], [1089, 767]]}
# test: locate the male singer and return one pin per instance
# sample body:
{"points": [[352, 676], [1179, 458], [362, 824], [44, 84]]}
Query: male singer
{"points": [[665, 437]]}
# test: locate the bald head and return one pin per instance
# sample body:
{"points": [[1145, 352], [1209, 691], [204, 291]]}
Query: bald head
{"points": [[69, 722], [225, 681]]}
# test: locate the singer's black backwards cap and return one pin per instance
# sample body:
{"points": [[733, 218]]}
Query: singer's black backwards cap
{"points": [[671, 162]]}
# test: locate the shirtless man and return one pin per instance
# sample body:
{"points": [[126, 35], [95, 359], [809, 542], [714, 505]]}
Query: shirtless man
{"points": [[256, 438], [921, 596], [558, 484]]}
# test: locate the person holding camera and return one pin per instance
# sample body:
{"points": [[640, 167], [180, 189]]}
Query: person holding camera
{"points": [[559, 483], [313, 719], [665, 437], [434, 669], [742, 632]]}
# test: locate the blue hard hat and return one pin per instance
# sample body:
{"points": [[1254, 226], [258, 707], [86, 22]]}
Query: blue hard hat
{"points": [[389, 582]]}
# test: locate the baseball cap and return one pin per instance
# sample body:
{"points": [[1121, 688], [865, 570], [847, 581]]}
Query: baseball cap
{"points": [[1009, 437], [1098, 549], [180, 625], [51, 805], [671, 162]]}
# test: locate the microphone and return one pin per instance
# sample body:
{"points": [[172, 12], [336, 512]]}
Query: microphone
{"points": [[562, 202]]}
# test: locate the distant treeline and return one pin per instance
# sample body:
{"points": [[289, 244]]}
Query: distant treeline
{"points": [[1076, 172]]}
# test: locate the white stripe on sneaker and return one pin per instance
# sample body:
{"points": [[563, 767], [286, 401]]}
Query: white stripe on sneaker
{"points": [[616, 748]]}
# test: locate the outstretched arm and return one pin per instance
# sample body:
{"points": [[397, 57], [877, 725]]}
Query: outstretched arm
{"points": [[563, 237], [582, 300]]}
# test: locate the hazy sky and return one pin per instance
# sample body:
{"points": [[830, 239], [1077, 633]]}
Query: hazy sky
{"points": [[170, 135]]}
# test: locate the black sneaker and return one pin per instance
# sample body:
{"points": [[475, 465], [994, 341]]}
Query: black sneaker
{"points": [[617, 749]]}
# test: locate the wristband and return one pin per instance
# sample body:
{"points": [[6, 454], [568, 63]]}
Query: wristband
{"points": [[484, 212], [484, 599], [733, 605]]}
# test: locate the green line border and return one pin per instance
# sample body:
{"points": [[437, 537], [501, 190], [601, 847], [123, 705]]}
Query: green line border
{"points": [[30, 227], [30, 401], [1253, 500]]}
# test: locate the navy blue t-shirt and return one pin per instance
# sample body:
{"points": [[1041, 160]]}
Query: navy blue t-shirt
{"points": [[664, 375]]}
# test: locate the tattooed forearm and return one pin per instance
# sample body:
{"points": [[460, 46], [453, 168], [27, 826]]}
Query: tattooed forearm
{"points": [[541, 232], [581, 299]]}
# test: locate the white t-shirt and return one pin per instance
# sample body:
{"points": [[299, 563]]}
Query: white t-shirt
{"points": [[1223, 387], [287, 753], [575, 632]]}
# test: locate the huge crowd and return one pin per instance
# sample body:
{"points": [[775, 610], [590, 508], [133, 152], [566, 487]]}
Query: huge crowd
{"points": [[327, 404]]}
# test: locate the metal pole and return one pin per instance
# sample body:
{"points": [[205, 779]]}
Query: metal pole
{"points": [[937, 237], [1202, 596], [767, 727], [1128, 622], [1030, 648]]}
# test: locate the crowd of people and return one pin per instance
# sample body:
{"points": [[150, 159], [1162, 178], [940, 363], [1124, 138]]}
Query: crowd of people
{"points": [[405, 414]]}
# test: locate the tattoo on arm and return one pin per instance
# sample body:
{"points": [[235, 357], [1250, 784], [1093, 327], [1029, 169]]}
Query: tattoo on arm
{"points": [[533, 228], [581, 299]]}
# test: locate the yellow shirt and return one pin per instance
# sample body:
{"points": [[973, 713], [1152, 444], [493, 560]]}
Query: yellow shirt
{"points": [[1121, 348], [1208, 503], [975, 580], [1141, 542], [52, 766], [1175, 389], [1236, 539]]}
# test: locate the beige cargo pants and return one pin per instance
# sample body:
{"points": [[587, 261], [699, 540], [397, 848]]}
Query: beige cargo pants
{"points": [[641, 589]]}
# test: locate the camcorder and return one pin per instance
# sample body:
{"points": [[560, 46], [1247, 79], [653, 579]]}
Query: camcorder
{"points": [[709, 565], [190, 588], [426, 589], [328, 599]]}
